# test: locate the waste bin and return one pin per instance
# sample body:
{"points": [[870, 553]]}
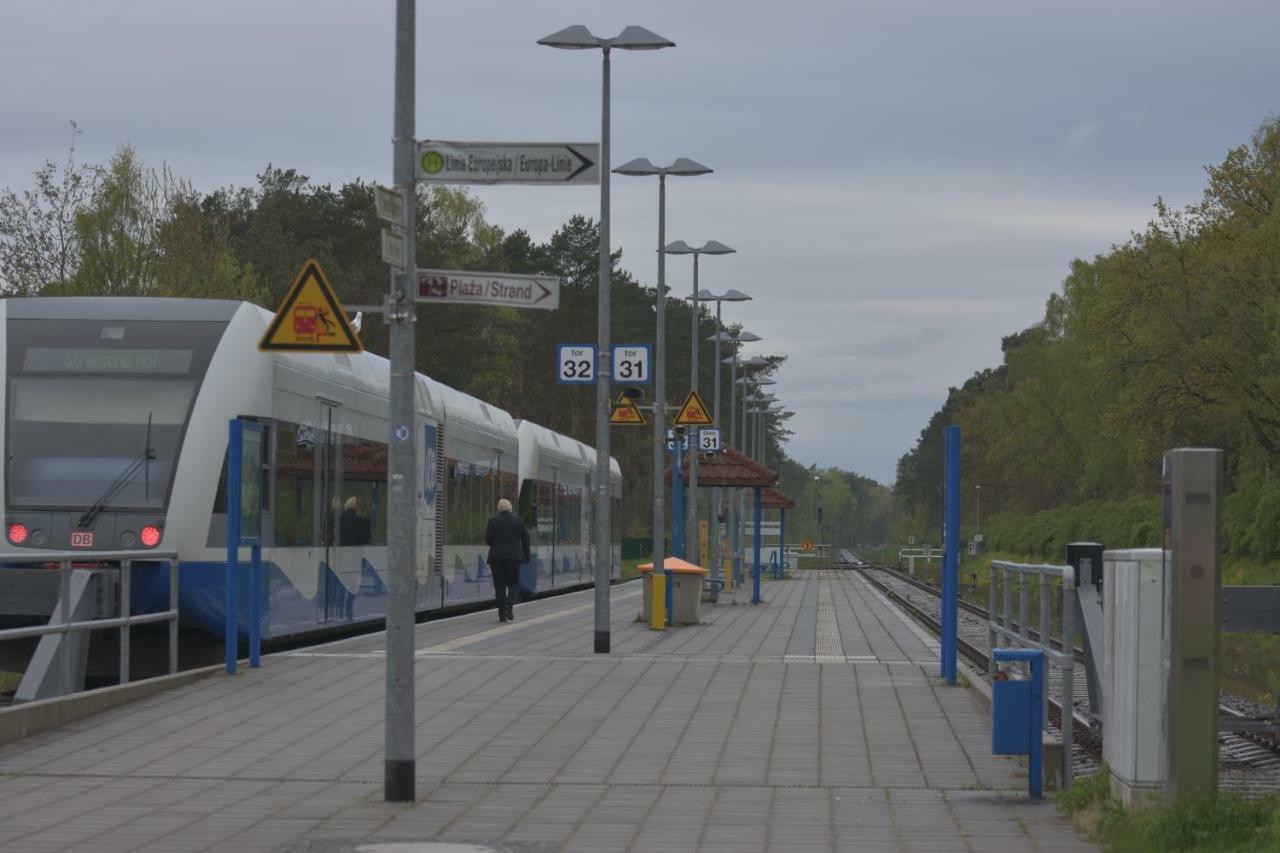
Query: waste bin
{"points": [[1011, 716], [686, 590]]}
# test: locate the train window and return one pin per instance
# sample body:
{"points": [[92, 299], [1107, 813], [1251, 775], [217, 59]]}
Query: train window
{"points": [[364, 477], [88, 401], [295, 461]]}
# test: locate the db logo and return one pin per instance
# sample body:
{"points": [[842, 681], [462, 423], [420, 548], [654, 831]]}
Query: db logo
{"points": [[82, 539]]}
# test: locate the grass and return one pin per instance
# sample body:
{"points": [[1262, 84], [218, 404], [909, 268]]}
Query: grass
{"points": [[1225, 823], [629, 569], [9, 681]]}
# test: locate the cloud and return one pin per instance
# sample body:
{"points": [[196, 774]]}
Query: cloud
{"points": [[1080, 136]]}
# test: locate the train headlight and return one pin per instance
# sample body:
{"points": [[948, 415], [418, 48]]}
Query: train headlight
{"points": [[150, 536], [17, 533]]}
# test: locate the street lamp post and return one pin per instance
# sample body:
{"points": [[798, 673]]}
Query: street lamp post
{"points": [[578, 37], [717, 508], [682, 167], [679, 247]]}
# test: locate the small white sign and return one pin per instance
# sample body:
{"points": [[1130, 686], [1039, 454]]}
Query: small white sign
{"points": [[973, 549], [389, 203], [911, 540], [631, 364], [977, 537], [393, 248], [671, 440], [576, 364], [709, 439]]}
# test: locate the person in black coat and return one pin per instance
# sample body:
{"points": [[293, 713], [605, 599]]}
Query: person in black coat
{"points": [[508, 543]]}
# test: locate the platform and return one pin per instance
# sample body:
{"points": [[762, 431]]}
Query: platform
{"points": [[814, 721]]}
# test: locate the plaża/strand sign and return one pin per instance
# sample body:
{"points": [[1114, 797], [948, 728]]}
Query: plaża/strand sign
{"points": [[452, 287]]}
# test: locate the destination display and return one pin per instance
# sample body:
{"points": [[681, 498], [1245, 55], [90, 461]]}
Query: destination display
{"points": [[69, 360]]}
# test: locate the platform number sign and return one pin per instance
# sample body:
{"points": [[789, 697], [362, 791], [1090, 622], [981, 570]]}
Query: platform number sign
{"points": [[709, 440], [631, 364], [576, 364]]}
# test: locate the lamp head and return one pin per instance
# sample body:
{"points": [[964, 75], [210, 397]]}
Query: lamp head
{"points": [[732, 295], [679, 247], [638, 166], [715, 247], [638, 38]]}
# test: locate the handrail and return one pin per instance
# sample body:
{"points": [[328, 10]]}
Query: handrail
{"points": [[123, 622], [999, 627]]}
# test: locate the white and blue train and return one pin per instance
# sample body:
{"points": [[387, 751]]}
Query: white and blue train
{"points": [[115, 432]]}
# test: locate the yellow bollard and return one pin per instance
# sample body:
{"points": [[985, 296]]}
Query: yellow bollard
{"points": [[658, 602], [726, 572], [704, 543]]}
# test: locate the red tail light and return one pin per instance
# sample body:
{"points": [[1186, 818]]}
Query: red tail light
{"points": [[17, 533], [150, 536]]}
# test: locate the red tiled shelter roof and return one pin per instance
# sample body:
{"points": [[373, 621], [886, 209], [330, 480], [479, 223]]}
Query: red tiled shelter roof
{"points": [[729, 469], [773, 499]]}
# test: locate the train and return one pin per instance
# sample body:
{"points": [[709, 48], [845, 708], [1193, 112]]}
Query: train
{"points": [[116, 436]]}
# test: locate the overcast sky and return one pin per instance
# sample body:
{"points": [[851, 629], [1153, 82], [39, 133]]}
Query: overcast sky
{"points": [[905, 181]]}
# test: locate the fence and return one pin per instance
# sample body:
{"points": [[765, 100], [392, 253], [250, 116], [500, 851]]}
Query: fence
{"points": [[1000, 626], [123, 622]]}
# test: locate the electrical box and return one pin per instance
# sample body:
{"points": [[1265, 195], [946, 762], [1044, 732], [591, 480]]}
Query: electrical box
{"points": [[1135, 593]]}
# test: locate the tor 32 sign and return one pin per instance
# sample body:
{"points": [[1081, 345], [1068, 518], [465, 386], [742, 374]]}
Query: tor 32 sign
{"points": [[576, 364]]}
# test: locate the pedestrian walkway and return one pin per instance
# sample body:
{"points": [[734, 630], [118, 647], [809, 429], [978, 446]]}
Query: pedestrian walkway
{"points": [[814, 721]]}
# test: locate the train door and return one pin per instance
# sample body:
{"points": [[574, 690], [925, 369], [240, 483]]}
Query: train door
{"points": [[327, 488], [555, 523], [584, 510]]}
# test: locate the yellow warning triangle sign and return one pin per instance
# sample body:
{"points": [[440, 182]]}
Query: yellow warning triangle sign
{"points": [[626, 413], [693, 412], [310, 319]]}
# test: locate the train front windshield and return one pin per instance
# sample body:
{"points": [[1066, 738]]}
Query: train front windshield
{"points": [[97, 409]]}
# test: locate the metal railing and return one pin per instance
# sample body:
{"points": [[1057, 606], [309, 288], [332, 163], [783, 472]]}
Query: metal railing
{"points": [[123, 561], [1000, 627]]}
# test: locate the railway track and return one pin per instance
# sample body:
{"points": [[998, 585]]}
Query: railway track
{"points": [[1249, 761]]}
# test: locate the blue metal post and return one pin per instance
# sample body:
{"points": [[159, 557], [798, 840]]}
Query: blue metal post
{"points": [[951, 557], [255, 606], [677, 498], [669, 595], [755, 548], [782, 542], [233, 542], [1035, 770]]}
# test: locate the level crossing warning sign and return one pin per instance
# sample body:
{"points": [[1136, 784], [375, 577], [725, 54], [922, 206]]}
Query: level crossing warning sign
{"points": [[626, 413], [693, 412], [310, 318]]}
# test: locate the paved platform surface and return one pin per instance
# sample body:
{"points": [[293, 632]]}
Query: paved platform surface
{"points": [[812, 722]]}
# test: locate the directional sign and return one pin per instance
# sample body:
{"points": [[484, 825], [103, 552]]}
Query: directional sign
{"points": [[393, 247], [508, 162], [507, 289], [576, 364], [631, 364], [310, 318], [389, 204], [709, 440], [693, 412], [626, 413]]}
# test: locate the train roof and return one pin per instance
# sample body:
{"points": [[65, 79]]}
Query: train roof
{"points": [[120, 308], [548, 443], [461, 409]]}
